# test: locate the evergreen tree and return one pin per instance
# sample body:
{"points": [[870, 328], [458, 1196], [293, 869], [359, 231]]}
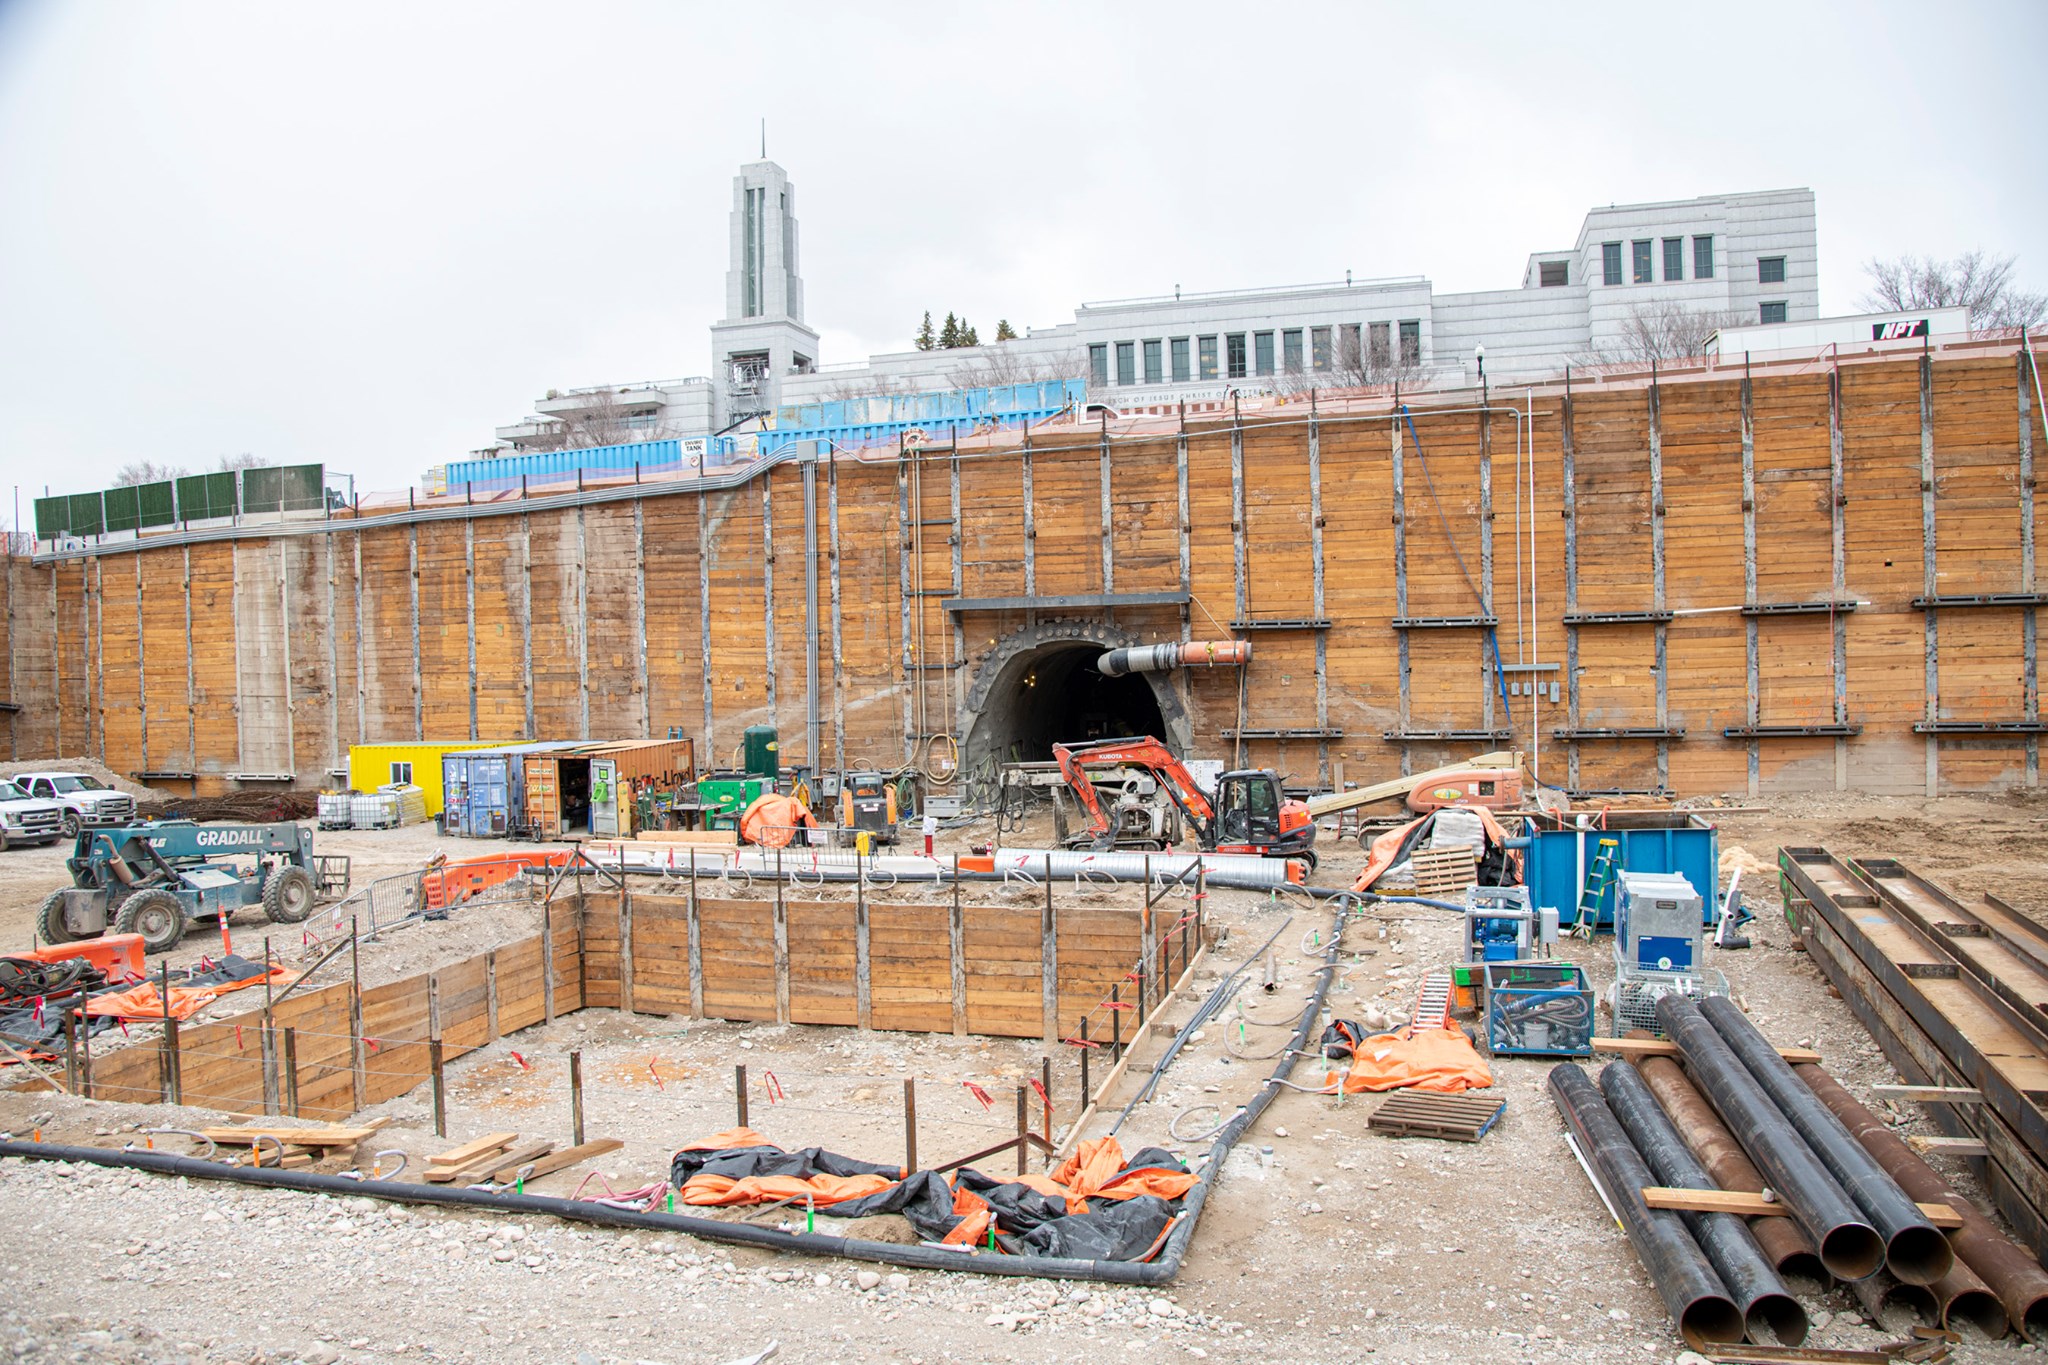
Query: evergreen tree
{"points": [[949, 335], [925, 340], [1005, 332], [967, 335]]}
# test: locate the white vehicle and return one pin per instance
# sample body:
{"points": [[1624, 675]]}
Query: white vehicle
{"points": [[26, 820], [88, 803]]}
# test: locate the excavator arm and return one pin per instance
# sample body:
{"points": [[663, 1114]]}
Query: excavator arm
{"points": [[1149, 754]]}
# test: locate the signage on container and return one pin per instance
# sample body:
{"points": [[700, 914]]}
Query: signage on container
{"points": [[1898, 331]]}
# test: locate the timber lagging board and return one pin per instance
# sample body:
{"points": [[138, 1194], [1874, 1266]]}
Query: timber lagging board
{"points": [[1740, 499], [733, 963]]}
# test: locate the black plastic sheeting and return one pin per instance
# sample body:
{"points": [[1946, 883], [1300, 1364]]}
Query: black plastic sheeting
{"points": [[1038, 1223], [19, 1025], [1160, 1270]]}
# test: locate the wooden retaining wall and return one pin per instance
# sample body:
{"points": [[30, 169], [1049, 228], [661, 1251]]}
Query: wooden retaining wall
{"points": [[1016, 972], [1678, 529]]}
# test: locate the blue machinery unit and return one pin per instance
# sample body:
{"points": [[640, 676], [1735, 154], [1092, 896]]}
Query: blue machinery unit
{"points": [[1538, 1009], [1559, 854], [1500, 926]]}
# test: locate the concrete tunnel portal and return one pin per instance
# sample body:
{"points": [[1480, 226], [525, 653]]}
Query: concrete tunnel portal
{"points": [[1042, 687]]}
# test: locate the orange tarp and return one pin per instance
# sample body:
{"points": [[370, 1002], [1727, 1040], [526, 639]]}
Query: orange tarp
{"points": [[1433, 1059], [144, 1003], [772, 820], [1387, 848], [718, 1191]]}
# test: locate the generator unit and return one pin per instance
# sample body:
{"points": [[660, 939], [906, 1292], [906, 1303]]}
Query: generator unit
{"points": [[1658, 924], [867, 802]]}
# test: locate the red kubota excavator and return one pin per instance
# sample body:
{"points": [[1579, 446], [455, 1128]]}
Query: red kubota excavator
{"points": [[1248, 815]]}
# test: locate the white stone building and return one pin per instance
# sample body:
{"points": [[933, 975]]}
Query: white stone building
{"points": [[1747, 259]]}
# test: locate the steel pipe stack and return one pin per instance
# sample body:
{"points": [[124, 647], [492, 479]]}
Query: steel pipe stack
{"points": [[1850, 1248], [1781, 1239], [1694, 1294], [2011, 1276], [1769, 1312], [1915, 1250]]}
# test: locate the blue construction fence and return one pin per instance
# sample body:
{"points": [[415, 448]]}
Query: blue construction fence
{"points": [[846, 424]]}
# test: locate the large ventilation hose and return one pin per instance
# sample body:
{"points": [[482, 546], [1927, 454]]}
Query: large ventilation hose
{"points": [[1159, 658]]}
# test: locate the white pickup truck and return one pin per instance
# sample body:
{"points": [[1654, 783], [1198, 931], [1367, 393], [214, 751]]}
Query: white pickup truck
{"points": [[25, 819], [88, 803]]}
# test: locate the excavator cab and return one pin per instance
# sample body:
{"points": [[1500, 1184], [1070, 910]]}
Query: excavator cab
{"points": [[1252, 816]]}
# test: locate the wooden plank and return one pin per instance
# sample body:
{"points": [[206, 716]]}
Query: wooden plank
{"points": [[489, 1161], [1948, 1146], [1752, 1205], [1929, 1094], [1657, 1047], [476, 1147], [556, 1161], [303, 1137]]}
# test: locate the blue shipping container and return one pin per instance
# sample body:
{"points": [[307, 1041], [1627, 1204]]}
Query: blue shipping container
{"points": [[1557, 860]]}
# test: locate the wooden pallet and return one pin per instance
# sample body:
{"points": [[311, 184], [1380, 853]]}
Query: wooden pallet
{"points": [[1443, 871], [1418, 1113]]}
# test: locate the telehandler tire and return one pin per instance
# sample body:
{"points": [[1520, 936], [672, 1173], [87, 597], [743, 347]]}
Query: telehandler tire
{"points": [[289, 896], [155, 914], [51, 920]]}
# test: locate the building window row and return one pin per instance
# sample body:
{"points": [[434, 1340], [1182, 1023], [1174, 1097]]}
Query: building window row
{"points": [[1244, 355], [1643, 254]]}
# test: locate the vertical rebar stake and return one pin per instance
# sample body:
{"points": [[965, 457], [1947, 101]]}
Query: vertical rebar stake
{"points": [[1023, 1133], [909, 1125], [576, 1098], [1086, 1097], [739, 1085], [440, 1087]]}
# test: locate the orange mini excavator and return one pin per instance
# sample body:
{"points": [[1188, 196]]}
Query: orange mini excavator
{"points": [[1249, 813]]}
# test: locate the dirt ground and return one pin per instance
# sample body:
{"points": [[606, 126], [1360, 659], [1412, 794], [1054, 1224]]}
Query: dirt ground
{"points": [[1339, 1245]]}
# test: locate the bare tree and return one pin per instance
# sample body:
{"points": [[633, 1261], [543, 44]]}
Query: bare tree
{"points": [[145, 471], [609, 419], [1973, 280], [1355, 364], [1666, 331], [230, 463], [992, 367]]}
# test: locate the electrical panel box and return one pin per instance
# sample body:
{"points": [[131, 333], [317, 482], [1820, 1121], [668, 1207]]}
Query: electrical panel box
{"points": [[1658, 923]]}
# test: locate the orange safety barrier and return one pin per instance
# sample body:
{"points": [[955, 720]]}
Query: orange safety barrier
{"points": [[451, 883], [118, 956]]}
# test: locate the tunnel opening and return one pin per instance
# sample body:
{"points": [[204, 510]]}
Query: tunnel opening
{"points": [[1055, 695]]}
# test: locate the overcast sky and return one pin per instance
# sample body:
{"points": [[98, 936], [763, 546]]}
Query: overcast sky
{"points": [[365, 234]]}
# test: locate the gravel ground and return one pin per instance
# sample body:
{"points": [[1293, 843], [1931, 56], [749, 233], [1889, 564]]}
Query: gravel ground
{"points": [[1345, 1245]]}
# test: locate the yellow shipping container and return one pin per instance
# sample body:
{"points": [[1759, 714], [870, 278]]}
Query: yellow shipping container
{"points": [[371, 766]]}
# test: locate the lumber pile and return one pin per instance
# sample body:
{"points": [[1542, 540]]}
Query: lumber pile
{"points": [[301, 1146], [502, 1158]]}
